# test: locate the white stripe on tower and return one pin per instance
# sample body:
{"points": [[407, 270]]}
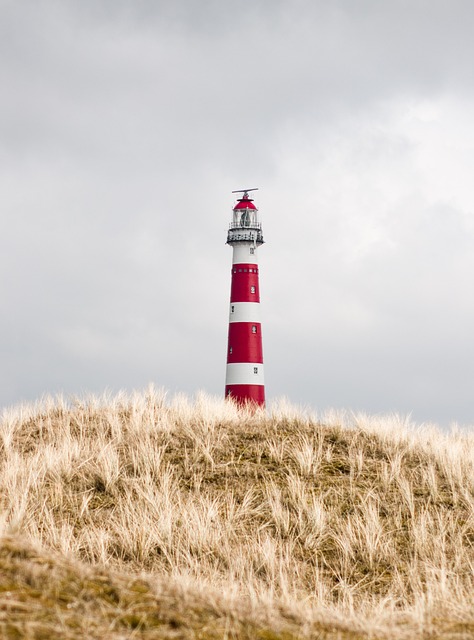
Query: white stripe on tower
{"points": [[244, 312], [247, 373], [244, 374]]}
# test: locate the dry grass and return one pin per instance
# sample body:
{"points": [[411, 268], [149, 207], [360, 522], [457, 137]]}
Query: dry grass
{"points": [[343, 527]]}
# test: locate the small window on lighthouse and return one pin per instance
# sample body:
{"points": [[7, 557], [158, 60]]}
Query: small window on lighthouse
{"points": [[232, 309], [255, 369], [230, 350], [252, 289], [254, 328], [252, 250]]}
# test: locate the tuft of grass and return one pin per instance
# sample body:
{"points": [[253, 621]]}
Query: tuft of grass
{"points": [[337, 527]]}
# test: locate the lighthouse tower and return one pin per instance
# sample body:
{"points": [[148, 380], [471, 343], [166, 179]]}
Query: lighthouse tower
{"points": [[244, 374]]}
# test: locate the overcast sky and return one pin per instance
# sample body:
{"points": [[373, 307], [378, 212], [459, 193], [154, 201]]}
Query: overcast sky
{"points": [[126, 124]]}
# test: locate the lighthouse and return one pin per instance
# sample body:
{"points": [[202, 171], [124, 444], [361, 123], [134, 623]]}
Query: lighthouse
{"points": [[244, 373]]}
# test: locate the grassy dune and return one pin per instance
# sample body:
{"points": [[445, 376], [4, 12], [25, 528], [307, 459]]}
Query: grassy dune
{"points": [[138, 517]]}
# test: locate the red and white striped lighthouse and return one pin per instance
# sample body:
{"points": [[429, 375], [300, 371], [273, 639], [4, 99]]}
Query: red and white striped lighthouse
{"points": [[244, 374]]}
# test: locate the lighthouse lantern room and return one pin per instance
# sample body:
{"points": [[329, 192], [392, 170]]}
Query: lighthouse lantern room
{"points": [[244, 373]]}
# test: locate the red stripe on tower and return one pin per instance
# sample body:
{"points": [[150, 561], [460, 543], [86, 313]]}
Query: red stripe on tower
{"points": [[244, 374]]}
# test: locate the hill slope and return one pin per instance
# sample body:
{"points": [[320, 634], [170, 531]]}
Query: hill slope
{"points": [[312, 527], [43, 595]]}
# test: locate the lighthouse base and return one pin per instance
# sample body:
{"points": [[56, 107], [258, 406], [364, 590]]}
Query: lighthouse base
{"points": [[246, 393]]}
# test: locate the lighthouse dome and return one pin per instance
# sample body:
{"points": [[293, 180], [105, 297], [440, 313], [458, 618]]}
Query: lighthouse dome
{"points": [[245, 203]]}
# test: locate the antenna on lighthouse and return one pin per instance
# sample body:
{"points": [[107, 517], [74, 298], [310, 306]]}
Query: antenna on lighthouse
{"points": [[245, 191]]}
